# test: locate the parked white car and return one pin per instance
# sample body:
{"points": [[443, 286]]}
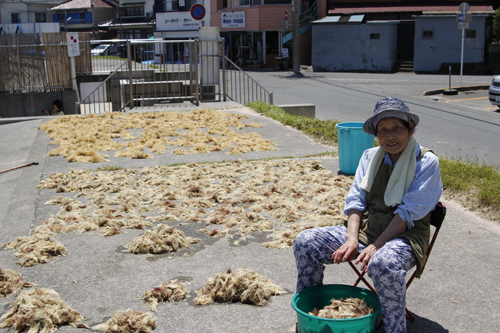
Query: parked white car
{"points": [[494, 91], [101, 50]]}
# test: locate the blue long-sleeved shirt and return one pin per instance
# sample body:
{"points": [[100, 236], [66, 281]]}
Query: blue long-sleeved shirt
{"points": [[422, 197]]}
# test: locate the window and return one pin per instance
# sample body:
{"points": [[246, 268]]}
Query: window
{"points": [[277, 2], [428, 34], [374, 36], [40, 17], [470, 33], [173, 5], [170, 5], [241, 3], [190, 3], [134, 11], [16, 18]]}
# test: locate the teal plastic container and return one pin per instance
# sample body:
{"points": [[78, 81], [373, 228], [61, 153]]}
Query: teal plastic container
{"points": [[352, 142], [319, 297]]}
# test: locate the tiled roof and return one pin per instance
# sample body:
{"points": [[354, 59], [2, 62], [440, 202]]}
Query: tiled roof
{"points": [[402, 8], [77, 4]]}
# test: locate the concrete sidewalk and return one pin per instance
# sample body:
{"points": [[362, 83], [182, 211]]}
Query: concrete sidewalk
{"points": [[458, 292]]}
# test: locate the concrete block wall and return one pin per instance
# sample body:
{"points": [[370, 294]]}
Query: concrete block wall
{"points": [[31, 104]]}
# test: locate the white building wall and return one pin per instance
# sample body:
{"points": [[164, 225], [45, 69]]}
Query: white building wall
{"points": [[348, 47], [17, 7], [446, 45]]}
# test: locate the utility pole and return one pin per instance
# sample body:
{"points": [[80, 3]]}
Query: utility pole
{"points": [[295, 36]]}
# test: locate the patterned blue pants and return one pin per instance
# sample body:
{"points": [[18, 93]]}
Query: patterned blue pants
{"points": [[313, 248]]}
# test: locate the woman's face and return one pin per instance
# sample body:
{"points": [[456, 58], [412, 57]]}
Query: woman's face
{"points": [[55, 107], [393, 136]]}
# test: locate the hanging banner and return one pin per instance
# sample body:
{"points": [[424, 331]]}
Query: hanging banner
{"points": [[233, 20]]}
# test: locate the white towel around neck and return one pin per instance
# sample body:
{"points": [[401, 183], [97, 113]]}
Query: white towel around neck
{"points": [[401, 178]]}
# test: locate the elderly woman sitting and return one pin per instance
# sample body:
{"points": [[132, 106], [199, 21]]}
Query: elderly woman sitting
{"points": [[396, 187]]}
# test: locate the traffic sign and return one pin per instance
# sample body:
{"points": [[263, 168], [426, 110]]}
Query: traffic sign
{"points": [[461, 17], [464, 7], [198, 12]]}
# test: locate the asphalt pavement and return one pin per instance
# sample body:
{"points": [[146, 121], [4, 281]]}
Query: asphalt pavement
{"points": [[453, 126], [458, 291]]}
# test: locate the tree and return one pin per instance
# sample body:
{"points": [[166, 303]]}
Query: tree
{"points": [[496, 26]]}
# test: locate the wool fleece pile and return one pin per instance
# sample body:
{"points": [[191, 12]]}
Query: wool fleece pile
{"points": [[268, 202], [139, 135]]}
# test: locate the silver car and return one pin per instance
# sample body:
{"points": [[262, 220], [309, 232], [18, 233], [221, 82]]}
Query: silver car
{"points": [[494, 91]]}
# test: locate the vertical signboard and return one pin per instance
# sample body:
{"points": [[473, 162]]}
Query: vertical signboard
{"points": [[73, 44]]}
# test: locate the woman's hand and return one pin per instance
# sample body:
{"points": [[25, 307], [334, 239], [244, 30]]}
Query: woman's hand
{"points": [[365, 257], [347, 251]]}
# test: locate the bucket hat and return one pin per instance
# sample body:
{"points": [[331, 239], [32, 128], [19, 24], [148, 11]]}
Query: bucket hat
{"points": [[389, 107]]}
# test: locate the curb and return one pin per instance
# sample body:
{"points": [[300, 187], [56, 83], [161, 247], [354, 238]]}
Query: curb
{"points": [[467, 88]]}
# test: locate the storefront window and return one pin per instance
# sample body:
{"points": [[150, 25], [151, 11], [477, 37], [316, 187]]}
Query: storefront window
{"points": [[277, 2], [243, 3]]}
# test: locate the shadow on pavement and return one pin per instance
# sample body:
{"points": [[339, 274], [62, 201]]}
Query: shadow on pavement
{"points": [[422, 324]]}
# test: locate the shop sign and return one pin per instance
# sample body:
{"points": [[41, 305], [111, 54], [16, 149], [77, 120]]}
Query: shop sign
{"points": [[176, 21], [233, 20]]}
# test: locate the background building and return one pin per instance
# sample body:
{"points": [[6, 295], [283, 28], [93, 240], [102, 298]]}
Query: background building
{"points": [[257, 31], [384, 36], [174, 20], [134, 20]]}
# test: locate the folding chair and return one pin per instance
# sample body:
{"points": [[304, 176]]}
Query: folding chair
{"points": [[437, 218]]}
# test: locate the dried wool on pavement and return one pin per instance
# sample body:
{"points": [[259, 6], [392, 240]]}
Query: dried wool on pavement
{"points": [[128, 321], [11, 282], [39, 310], [171, 291], [38, 248], [84, 138], [243, 198], [163, 239], [241, 285]]}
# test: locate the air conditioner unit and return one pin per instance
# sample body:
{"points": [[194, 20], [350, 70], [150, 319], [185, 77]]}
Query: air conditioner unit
{"points": [[148, 15]]}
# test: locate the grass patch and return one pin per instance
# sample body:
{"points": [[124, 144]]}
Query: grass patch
{"points": [[109, 57], [110, 168], [321, 130], [473, 183], [476, 184]]}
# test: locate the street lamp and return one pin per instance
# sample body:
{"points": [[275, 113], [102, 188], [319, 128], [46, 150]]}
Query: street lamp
{"points": [[66, 23]]}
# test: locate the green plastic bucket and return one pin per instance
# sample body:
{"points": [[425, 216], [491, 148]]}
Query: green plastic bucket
{"points": [[352, 142], [319, 297]]}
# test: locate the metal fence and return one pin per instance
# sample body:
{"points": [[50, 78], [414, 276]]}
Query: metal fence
{"points": [[153, 72], [29, 64], [141, 72], [241, 87]]}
